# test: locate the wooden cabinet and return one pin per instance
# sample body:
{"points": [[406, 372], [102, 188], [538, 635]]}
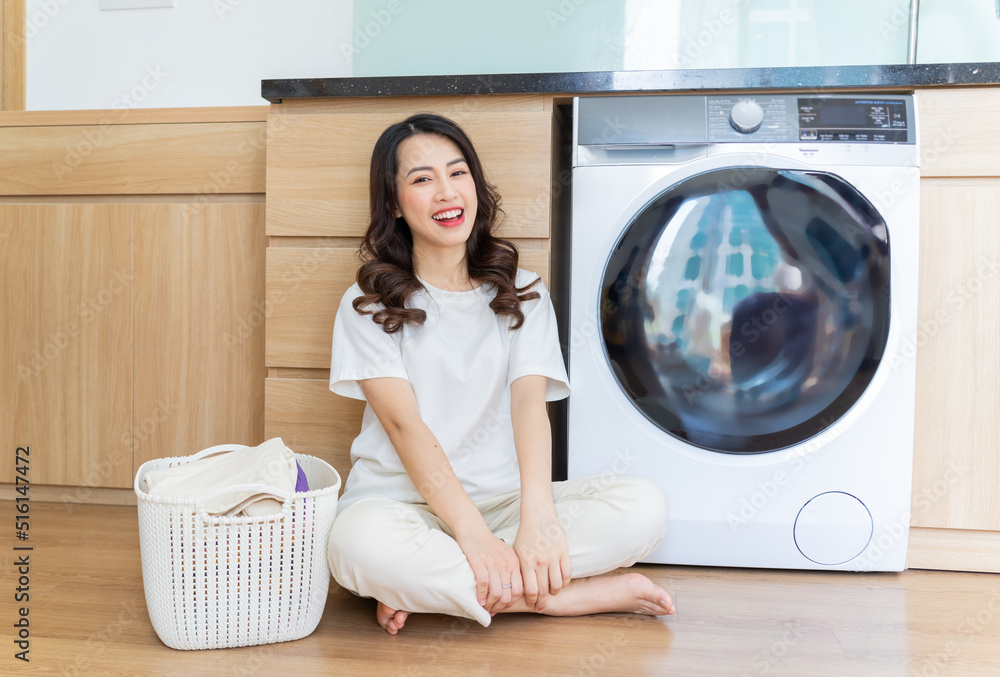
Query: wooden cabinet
{"points": [[131, 332], [956, 478], [132, 251], [955, 511], [66, 341], [199, 328]]}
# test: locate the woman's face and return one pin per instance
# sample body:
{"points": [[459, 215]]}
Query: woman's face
{"points": [[435, 192]]}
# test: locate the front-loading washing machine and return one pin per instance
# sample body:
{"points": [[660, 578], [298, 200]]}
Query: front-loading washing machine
{"points": [[742, 313]]}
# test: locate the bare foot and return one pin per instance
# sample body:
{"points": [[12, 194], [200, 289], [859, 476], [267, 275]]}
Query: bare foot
{"points": [[390, 619], [631, 593]]}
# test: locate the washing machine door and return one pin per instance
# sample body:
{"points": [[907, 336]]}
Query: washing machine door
{"points": [[746, 309]]}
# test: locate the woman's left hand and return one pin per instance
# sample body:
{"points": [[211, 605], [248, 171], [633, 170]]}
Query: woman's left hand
{"points": [[541, 548]]}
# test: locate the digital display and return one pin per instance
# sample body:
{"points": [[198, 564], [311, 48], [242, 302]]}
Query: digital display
{"points": [[878, 120], [842, 114]]}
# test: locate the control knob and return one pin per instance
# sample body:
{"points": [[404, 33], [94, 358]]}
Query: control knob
{"points": [[746, 117]]}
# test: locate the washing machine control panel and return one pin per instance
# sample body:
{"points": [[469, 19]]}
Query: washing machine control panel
{"points": [[628, 126], [876, 120], [746, 117], [741, 118], [835, 118]]}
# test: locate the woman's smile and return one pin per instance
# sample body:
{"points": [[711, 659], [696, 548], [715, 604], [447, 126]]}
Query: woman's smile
{"points": [[450, 217], [435, 194]]}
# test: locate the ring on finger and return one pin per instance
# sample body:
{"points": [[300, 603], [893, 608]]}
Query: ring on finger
{"points": [[506, 586]]}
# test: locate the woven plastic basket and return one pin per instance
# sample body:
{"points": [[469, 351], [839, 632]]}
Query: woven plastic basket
{"points": [[214, 582]]}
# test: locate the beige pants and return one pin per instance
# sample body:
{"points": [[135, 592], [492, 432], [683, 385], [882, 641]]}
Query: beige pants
{"points": [[405, 557]]}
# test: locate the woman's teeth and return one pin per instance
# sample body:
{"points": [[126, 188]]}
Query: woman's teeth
{"points": [[448, 215]]}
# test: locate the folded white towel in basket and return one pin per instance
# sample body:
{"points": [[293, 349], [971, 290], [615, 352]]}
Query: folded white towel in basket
{"points": [[270, 463]]}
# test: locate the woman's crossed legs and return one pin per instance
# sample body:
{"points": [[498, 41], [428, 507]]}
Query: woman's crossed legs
{"points": [[403, 555]]}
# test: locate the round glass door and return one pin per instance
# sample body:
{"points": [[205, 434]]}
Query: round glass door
{"points": [[745, 310]]}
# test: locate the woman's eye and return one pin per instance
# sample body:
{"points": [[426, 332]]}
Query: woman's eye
{"points": [[459, 172], [420, 179]]}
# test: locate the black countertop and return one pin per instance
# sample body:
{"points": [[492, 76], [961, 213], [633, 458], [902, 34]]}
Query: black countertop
{"points": [[812, 77]]}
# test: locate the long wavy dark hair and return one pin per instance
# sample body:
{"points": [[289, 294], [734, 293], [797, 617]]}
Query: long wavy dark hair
{"points": [[387, 276]]}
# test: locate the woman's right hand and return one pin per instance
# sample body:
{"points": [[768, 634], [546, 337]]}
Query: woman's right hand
{"points": [[495, 565]]}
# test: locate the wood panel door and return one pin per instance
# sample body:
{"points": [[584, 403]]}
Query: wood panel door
{"points": [[66, 342], [956, 471], [199, 327]]}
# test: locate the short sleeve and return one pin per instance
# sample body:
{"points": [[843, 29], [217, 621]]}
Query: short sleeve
{"points": [[361, 350], [534, 347]]}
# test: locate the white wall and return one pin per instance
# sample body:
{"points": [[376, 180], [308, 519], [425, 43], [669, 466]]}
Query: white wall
{"points": [[198, 53]]}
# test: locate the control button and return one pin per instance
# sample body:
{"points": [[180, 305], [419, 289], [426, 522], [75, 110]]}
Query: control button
{"points": [[746, 117], [808, 135]]}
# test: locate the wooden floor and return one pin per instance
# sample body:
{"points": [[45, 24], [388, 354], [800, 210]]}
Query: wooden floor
{"points": [[88, 617]]}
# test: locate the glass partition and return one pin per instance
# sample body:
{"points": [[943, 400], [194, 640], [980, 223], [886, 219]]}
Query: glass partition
{"points": [[956, 31], [455, 37]]}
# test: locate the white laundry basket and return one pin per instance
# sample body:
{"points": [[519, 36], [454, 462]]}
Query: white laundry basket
{"points": [[214, 582]]}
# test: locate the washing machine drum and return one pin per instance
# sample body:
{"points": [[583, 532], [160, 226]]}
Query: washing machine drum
{"points": [[745, 310]]}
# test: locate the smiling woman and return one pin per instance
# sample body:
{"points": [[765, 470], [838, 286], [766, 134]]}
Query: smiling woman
{"points": [[437, 199], [423, 168], [449, 506]]}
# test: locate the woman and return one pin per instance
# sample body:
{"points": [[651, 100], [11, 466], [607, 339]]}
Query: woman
{"points": [[449, 506]]}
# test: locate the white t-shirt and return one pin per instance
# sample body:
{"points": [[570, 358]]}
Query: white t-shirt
{"points": [[460, 363]]}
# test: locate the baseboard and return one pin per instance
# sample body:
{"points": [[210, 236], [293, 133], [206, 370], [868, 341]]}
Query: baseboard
{"points": [[50, 493], [954, 550]]}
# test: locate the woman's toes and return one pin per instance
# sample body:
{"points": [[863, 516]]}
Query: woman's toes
{"points": [[390, 619]]}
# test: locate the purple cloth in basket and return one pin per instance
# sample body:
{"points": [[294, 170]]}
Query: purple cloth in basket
{"points": [[301, 484]]}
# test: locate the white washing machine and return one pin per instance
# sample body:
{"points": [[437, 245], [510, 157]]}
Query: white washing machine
{"points": [[742, 313]]}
